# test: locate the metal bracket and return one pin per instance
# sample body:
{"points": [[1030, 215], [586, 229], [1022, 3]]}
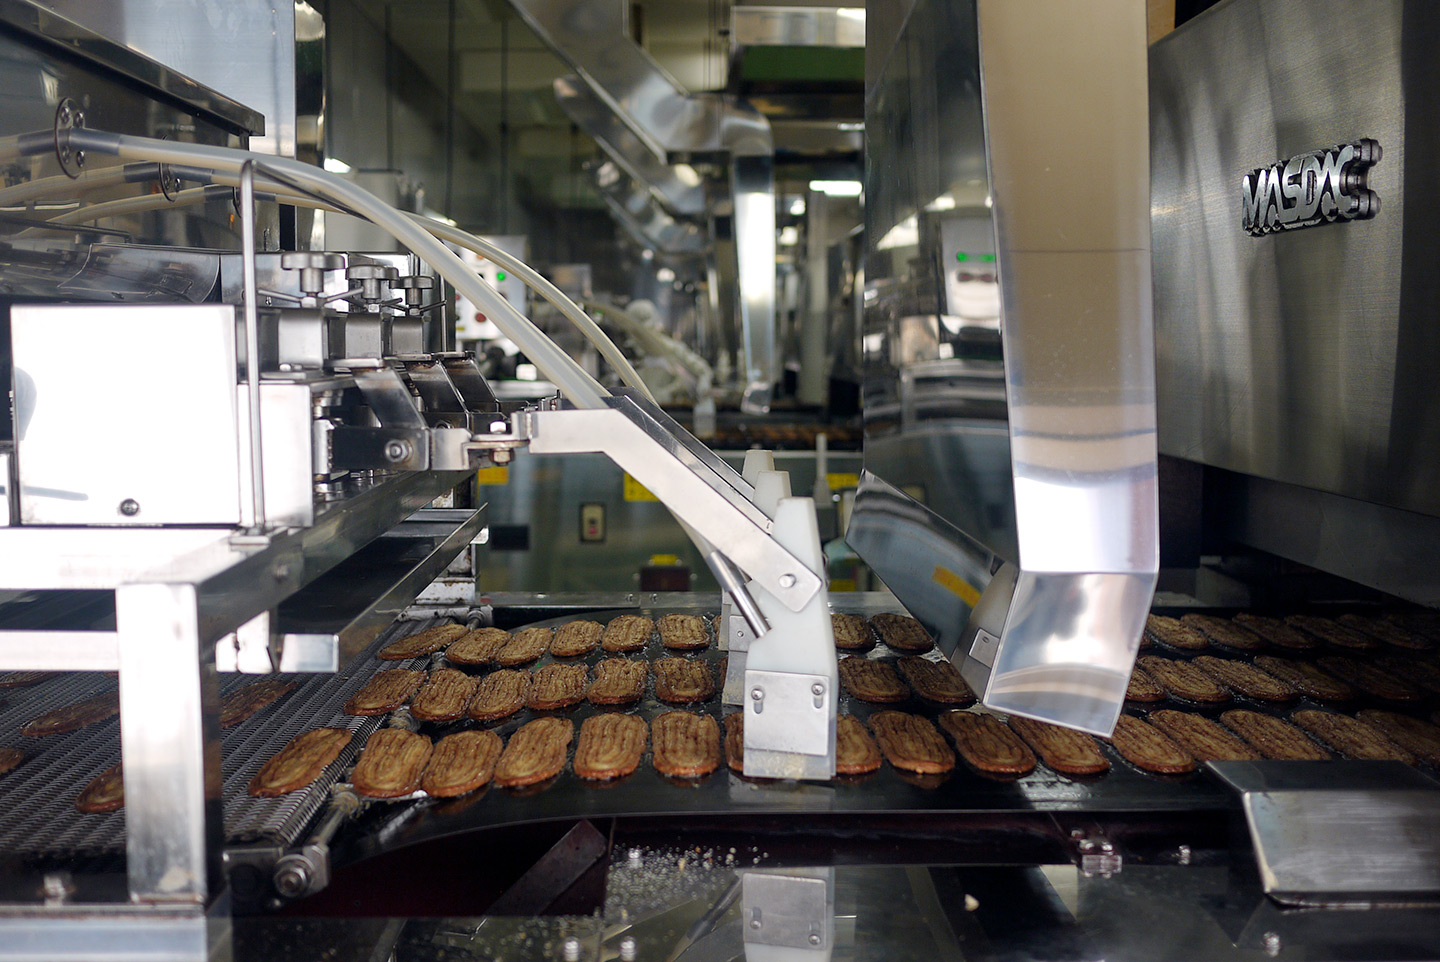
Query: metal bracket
{"points": [[1095, 854], [789, 909], [789, 725]]}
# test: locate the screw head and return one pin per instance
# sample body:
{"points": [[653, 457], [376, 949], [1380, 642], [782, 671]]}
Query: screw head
{"points": [[814, 938], [129, 507], [757, 694], [755, 923], [397, 450], [817, 689], [787, 580]]}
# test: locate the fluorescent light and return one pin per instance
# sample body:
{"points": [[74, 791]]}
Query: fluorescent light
{"points": [[789, 236], [797, 207], [337, 166], [837, 188]]}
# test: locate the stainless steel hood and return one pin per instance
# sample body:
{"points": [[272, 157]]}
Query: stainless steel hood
{"points": [[648, 123], [1007, 222]]}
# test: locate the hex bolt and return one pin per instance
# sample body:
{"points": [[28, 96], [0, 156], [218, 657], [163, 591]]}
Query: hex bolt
{"points": [[1272, 943], [129, 507], [570, 949], [397, 450], [501, 456], [292, 880], [628, 949]]}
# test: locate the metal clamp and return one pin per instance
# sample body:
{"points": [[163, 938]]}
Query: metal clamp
{"points": [[795, 910], [68, 116]]}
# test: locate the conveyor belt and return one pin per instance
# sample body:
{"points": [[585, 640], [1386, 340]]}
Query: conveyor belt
{"points": [[37, 814]]}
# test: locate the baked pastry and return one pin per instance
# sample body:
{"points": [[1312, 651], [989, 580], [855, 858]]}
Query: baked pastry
{"points": [[242, 703], [1201, 737], [1165, 630], [1273, 737], [985, 743], [461, 763], [1426, 674], [610, 745], [910, 742], [1305, 678], [23, 679], [385, 692], [681, 681], [536, 752], [557, 686], [499, 695], [1141, 687], [74, 717], [576, 638], [525, 646], [444, 697], [10, 759], [870, 680], [1387, 631], [852, 633], [1351, 738], [1245, 679], [627, 633], [735, 741], [902, 633], [1420, 738], [684, 744], [1148, 748], [1183, 680], [682, 632], [1276, 632], [391, 764], [300, 762], [1224, 632], [936, 681], [105, 793], [855, 751], [478, 647], [1063, 749], [424, 643], [1370, 679], [618, 681], [1332, 633]]}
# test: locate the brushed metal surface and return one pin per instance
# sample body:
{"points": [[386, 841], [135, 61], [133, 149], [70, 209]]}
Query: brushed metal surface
{"points": [[1305, 356]]}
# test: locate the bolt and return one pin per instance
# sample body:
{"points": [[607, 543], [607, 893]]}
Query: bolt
{"points": [[1107, 847], [1183, 855], [817, 689], [502, 456], [281, 571], [633, 856], [1087, 846], [292, 881], [627, 949], [814, 938], [129, 507], [787, 581], [56, 887], [570, 949], [397, 450], [1272, 943], [757, 694]]}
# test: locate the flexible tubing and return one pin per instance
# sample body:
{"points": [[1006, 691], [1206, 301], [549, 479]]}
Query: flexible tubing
{"points": [[557, 366], [87, 181], [454, 235]]}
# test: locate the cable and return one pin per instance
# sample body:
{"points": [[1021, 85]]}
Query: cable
{"points": [[531, 277], [557, 366]]}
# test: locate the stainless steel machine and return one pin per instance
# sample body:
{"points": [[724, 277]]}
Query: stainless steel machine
{"points": [[229, 456]]}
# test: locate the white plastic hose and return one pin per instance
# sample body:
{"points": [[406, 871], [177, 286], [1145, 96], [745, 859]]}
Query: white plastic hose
{"points": [[557, 366]]}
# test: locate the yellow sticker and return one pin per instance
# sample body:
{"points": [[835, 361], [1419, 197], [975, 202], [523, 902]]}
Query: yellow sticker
{"points": [[839, 481], [842, 584], [664, 559], [496, 475], [956, 585], [635, 491]]}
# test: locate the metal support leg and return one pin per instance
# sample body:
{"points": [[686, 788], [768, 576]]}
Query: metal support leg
{"points": [[170, 745]]}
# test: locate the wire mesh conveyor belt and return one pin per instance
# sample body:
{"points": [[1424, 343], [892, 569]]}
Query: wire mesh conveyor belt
{"points": [[37, 800]]}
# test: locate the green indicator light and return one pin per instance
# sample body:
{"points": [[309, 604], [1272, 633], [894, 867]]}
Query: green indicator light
{"points": [[500, 275], [987, 258], [961, 256]]}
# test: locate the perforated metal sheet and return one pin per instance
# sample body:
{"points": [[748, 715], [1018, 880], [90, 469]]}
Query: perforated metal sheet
{"points": [[37, 799]]}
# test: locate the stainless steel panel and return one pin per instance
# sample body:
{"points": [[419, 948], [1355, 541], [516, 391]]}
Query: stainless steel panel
{"points": [[1304, 356], [110, 51], [752, 26], [167, 452], [1008, 146], [244, 49]]}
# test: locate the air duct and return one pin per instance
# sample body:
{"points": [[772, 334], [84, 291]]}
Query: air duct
{"points": [[661, 124]]}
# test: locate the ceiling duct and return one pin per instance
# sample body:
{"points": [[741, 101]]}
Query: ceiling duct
{"points": [[657, 124], [634, 207]]}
